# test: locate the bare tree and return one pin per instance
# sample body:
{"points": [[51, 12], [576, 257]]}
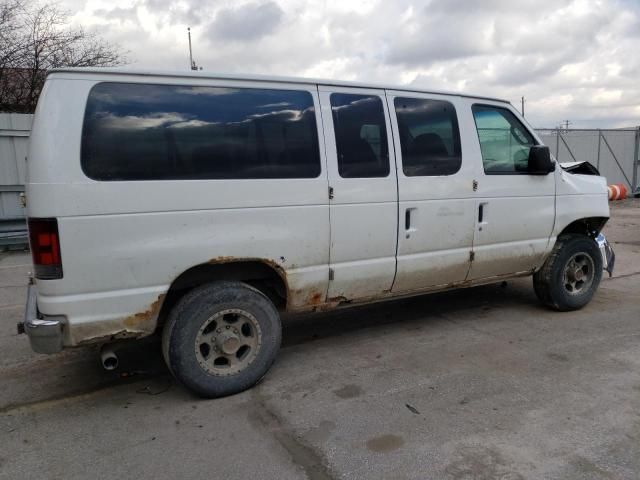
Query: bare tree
{"points": [[35, 39], [9, 26]]}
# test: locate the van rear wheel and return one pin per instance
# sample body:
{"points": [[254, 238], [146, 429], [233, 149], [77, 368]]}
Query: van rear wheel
{"points": [[221, 338], [571, 275]]}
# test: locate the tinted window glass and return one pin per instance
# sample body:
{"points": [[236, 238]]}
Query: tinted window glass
{"points": [[504, 141], [429, 137], [361, 135], [161, 132]]}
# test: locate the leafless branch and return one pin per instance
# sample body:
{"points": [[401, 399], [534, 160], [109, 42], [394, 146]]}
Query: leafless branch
{"points": [[36, 38]]}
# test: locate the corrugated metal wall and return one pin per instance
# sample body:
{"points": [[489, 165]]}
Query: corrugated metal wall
{"points": [[613, 152], [14, 137]]}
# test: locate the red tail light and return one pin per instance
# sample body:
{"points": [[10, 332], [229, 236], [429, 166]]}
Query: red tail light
{"points": [[45, 248]]}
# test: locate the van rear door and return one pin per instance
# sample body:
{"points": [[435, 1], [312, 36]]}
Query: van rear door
{"points": [[363, 191]]}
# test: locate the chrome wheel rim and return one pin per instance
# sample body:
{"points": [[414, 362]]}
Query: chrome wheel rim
{"points": [[228, 342], [578, 273]]}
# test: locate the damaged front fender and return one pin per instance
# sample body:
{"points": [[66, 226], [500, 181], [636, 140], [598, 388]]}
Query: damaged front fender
{"points": [[580, 168]]}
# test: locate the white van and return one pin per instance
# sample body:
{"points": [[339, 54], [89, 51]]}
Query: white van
{"points": [[204, 205]]}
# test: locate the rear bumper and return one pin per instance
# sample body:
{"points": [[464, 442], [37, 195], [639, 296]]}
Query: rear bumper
{"points": [[45, 333]]}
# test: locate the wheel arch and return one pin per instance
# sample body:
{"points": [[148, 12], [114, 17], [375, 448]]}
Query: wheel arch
{"points": [[590, 226], [262, 274]]}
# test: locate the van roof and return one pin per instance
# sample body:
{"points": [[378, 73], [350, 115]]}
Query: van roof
{"points": [[258, 78]]}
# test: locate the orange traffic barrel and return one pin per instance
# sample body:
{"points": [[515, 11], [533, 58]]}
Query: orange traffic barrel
{"points": [[617, 191]]}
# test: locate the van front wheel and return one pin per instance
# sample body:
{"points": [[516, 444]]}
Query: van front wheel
{"points": [[571, 275], [221, 338]]}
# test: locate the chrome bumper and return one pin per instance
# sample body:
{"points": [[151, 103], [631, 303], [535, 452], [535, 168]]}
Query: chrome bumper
{"points": [[45, 334], [608, 255]]}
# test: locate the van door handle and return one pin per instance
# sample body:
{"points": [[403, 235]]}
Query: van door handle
{"points": [[407, 222], [482, 214]]}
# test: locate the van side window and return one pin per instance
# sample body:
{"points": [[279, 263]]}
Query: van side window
{"points": [[504, 141], [361, 135], [429, 137], [172, 132]]}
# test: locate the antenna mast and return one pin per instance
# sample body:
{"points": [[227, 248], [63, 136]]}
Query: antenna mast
{"points": [[192, 64]]}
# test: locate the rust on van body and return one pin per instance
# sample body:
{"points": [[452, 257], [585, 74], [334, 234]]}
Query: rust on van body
{"points": [[313, 299], [144, 323], [226, 260], [274, 265], [312, 296], [138, 325], [149, 316]]}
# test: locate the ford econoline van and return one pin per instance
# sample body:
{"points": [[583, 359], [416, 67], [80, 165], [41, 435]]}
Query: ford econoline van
{"points": [[202, 206]]}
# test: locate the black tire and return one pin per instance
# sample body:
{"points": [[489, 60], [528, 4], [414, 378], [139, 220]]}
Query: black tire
{"points": [[189, 330], [561, 291]]}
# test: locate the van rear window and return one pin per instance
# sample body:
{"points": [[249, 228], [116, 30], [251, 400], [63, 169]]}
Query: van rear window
{"points": [[172, 132]]}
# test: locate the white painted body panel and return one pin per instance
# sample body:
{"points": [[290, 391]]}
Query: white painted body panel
{"points": [[435, 250], [124, 243], [364, 217], [518, 214]]}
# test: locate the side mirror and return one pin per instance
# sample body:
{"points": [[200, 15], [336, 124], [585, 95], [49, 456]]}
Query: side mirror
{"points": [[539, 162]]}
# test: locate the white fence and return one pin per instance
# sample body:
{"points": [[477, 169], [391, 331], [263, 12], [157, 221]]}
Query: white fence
{"points": [[14, 136]]}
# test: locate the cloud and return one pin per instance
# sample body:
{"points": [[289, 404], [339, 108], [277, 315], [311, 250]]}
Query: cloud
{"points": [[121, 14], [574, 59], [247, 22]]}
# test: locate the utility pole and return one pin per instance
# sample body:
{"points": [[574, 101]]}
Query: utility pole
{"points": [[522, 110], [566, 124], [192, 64]]}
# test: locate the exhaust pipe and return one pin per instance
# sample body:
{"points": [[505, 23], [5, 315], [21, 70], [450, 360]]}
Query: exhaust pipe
{"points": [[108, 358]]}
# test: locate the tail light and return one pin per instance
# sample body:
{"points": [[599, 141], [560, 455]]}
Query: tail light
{"points": [[45, 248]]}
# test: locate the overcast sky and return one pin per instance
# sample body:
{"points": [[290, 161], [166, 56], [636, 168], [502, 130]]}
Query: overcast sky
{"points": [[572, 59]]}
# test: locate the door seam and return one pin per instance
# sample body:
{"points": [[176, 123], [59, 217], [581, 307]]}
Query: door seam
{"points": [[326, 165], [395, 162]]}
